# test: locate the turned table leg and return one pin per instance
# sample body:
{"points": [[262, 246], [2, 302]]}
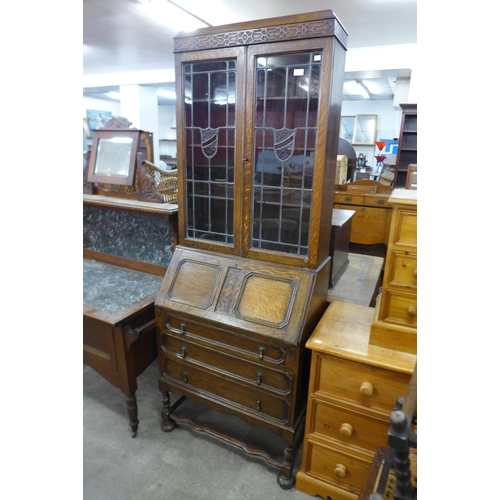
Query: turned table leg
{"points": [[132, 413]]}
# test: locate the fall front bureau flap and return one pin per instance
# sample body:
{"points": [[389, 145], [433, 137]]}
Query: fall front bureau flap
{"points": [[267, 299]]}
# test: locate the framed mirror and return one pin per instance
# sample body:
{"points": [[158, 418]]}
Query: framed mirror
{"points": [[365, 129], [113, 156], [347, 127]]}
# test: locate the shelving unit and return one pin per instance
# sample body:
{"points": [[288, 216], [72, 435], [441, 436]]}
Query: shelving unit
{"points": [[407, 150]]}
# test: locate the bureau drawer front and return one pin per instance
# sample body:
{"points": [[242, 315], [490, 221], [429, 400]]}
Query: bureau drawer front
{"points": [[225, 341], [400, 308], [351, 382], [215, 387], [403, 270], [251, 373], [348, 427], [330, 464]]}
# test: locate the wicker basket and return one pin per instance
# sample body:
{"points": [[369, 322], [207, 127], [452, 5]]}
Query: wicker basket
{"points": [[164, 180]]}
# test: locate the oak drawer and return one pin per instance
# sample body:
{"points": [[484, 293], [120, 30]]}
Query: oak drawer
{"points": [[376, 202], [214, 387], [221, 340], [399, 308], [348, 427], [365, 385], [248, 372], [402, 270], [349, 198], [336, 467]]}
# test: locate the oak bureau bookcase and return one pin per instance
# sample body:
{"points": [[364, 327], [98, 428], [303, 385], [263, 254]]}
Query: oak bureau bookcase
{"points": [[258, 116]]}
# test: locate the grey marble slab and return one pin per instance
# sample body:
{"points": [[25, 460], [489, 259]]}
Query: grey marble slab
{"points": [[112, 288], [145, 237]]}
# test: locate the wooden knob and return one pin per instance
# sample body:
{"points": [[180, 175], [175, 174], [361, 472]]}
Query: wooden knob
{"points": [[412, 311], [340, 470], [366, 389], [346, 430], [415, 272]]}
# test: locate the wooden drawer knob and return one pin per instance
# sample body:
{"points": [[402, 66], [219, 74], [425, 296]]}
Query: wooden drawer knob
{"points": [[340, 470], [366, 389], [346, 430], [415, 272], [412, 311]]}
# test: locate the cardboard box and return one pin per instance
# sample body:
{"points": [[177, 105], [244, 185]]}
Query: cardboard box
{"points": [[341, 173]]}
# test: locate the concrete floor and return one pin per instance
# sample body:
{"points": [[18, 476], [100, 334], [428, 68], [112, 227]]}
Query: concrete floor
{"points": [[181, 465]]}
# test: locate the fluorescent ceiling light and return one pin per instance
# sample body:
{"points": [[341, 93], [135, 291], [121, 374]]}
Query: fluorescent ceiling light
{"points": [[171, 15], [114, 95]]}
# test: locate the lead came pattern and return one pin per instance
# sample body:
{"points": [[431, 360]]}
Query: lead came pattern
{"points": [[209, 102], [287, 92]]}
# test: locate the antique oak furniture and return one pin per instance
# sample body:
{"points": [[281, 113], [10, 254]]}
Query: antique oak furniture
{"points": [[371, 223], [395, 324], [407, 149], [257, 119], [352, 391], [127, 246]]}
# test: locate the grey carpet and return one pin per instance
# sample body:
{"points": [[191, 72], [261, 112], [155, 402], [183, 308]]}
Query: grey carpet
{"points": [[181, 465]]}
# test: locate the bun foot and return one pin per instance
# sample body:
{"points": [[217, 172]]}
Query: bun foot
{"points": [[286, 482], [167, 425]]}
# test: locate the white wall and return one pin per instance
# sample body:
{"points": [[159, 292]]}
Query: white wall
{"points": [[388, 123]]}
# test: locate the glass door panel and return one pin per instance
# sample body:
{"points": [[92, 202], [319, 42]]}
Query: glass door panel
{"points": [[209, 107], [285, 121]]}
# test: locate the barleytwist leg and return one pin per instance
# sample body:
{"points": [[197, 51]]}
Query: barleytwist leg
{"points": [[167, 424], [285, 478]]}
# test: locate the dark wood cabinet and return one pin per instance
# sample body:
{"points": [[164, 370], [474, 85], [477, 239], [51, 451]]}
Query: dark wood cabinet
{"points": [[407, 149], [258, 124]]}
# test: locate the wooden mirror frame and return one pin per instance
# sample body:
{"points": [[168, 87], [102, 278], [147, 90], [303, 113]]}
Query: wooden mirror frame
{"points": [[127, 180]]}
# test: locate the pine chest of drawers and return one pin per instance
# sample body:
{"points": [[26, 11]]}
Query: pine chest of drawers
{"points": [[395, 324], [232, 335], [352, 391]]}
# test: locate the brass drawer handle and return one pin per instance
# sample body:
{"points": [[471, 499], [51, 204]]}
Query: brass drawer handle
{"points": [[261, 353], [257, 406], [183, 351], [340, 470], [259, 378], [185, 377], [346, 430], [366, 389], [412, 312], [168, 326]]}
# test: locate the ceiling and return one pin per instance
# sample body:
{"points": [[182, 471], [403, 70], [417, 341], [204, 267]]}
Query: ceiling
{"points": [[120, 38]]}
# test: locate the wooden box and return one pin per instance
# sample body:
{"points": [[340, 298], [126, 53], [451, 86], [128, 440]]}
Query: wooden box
{"points": [[361, 189]]}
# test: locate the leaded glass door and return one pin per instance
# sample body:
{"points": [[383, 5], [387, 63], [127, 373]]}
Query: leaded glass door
{"points": [[285, 108], [210, 88]]}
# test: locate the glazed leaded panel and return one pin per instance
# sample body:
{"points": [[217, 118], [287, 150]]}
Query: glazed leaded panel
{"points": [[209, 106], [285, 118]]}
